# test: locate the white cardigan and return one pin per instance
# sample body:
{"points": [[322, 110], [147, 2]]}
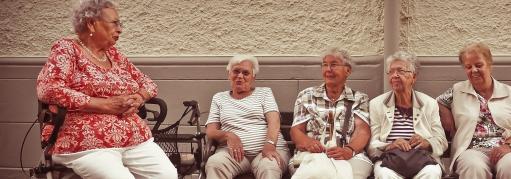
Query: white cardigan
{"points": [[426, 122], [465, 110]]}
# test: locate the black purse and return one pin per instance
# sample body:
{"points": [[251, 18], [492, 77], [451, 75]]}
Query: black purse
{"points": [[407, 164]]}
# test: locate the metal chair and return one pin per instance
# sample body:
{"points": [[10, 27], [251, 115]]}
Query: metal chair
{"points": [[54, 115]]}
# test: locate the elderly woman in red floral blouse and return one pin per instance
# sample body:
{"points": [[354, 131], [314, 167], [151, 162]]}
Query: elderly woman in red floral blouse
{"points": [[102, 136]]}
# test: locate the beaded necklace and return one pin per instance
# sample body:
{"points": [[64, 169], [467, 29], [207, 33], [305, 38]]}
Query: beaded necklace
{"points": [[92, 54]]}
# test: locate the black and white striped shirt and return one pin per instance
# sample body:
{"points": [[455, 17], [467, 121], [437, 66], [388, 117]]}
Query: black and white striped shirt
{"points": [[245, 118], [402, 126]]}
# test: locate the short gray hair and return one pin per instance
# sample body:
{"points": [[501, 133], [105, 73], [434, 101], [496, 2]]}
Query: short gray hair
{"points": [[237, 59], [409, 58], [87, 10], [339, 53]]}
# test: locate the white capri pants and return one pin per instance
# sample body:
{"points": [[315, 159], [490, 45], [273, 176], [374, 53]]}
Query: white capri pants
{"points": [[428, 172], [146, 160]]}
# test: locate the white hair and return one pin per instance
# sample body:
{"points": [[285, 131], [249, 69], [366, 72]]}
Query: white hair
{"points": [[237, 59], [339, 53], [410, 59], [87, 10]]}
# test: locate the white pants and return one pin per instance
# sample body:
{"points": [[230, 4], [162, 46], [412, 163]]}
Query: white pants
{"points": [[146, 160], [428, 172], [222, 166], [319, 166], [476, 164]]}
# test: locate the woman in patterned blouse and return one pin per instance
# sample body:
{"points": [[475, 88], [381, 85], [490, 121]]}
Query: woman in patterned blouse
{"points": [[102, 136], [319, 118], [477, 111]]}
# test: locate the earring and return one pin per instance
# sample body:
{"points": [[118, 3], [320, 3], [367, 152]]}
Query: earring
{"points": [[90, 34]]}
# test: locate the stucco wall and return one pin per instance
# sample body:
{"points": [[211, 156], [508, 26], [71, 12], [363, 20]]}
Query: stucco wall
{"points": [[203, 27], [266, 27], [440, 27]]}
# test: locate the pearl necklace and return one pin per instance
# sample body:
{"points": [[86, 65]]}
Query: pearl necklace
{"points": [[90, 52]]}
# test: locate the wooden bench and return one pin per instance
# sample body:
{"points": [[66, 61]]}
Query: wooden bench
{"points": [[286, 120]]}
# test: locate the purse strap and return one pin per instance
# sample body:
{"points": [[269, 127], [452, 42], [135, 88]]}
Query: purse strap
{"points": [[348, 104]]}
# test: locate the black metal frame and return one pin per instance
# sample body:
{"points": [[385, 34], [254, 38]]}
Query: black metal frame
{"points": [[168, 138], [55, 115]]}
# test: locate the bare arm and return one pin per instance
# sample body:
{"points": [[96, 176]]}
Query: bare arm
{"points": [[214, 133], [304, 142], [232, 140], [447, 120], [361, 135], [273, 120], [270, 150]]}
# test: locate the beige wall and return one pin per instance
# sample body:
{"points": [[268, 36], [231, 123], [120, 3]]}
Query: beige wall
{"points": [[274, 28], [203, 27], [442, 27]]}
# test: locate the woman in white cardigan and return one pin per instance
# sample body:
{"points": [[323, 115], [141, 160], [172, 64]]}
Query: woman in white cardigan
{"points": [[404, 119], [477, 111]]}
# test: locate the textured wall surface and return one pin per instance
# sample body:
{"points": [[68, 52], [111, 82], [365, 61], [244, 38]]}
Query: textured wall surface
{"points": [[202, 27], [439, 27], [266, 27]]}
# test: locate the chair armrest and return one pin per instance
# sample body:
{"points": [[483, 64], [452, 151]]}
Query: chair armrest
{"points": [[54, 115], [157, 115], [209, 150]]}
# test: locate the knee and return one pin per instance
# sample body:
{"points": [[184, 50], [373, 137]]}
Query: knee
{"points": [[504, 165], [111, 173], [472, 165], [267, 164], [166, 173], [431, 171], [472, 160], [215, 161], [361, 170], [384, 173]]}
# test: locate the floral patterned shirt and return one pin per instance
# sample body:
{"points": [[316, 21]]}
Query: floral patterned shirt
{"points": [[487, 134], [69, 79]]}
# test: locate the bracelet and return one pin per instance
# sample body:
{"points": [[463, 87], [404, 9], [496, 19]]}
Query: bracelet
{"points": [[270, 142], [141, 95], [351, 148], [143, 99]]}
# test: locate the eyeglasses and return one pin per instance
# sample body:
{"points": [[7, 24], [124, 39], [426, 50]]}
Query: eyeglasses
{"points": [[116, 23], [236, 72], [332, 66], [398, 71]]}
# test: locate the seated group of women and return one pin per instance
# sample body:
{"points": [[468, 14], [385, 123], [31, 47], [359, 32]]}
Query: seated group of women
{"points": [[333, 127], [340, 133]]}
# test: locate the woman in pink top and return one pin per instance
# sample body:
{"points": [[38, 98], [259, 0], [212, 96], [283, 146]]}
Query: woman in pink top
{"points": [[102, 136]]}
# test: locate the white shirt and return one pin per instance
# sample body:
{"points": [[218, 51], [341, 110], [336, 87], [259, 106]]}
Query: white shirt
{"points": [[246, 118]]}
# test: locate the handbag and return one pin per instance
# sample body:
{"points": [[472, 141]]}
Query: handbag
{"points": [[407, 164]]}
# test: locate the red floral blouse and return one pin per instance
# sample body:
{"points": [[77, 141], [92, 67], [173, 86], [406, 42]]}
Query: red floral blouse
{"points": [[70, 79]]}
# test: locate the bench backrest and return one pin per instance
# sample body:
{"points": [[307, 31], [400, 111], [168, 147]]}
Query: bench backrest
{"points": [[286, 120]]}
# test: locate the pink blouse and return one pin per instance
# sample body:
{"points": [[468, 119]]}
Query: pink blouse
{"points": [[69, 79]]}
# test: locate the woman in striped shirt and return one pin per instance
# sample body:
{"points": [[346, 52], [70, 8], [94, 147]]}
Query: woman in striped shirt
{"points": [[404, 118], [245, 122]]}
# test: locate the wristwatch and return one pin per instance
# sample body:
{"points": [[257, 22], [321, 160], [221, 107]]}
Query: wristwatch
{"points": [[353, 152], [270, 142]]}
